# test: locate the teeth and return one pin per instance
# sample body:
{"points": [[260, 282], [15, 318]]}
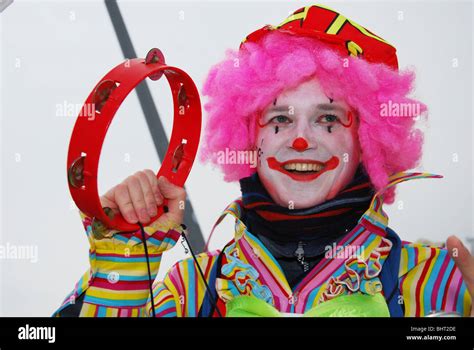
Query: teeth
{"points": [[303, 167]]}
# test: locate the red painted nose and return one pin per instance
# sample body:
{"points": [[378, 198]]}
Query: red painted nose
{"points": [[300, 144]]}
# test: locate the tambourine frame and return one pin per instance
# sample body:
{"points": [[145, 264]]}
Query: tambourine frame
{"points": [[96, 116]]}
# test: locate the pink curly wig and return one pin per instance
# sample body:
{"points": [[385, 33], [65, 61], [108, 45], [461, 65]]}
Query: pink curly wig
{"points": [[247, 80]]}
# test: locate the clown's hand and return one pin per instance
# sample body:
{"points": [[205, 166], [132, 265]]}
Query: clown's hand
{"points": [[464, 261], [138, 196]]}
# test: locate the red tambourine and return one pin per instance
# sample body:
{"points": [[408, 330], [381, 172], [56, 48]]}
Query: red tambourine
{"points": [[89, 133]]}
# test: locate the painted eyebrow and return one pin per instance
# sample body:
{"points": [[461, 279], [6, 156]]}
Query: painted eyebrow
{"points": [[330, 107], [278, 109], [321, 106]]}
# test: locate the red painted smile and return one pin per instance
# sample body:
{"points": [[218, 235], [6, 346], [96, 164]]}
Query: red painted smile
{"points": [[303, 169]]}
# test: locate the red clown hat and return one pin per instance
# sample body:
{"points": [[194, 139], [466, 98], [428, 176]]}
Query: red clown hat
{"points": [[336, 31]]}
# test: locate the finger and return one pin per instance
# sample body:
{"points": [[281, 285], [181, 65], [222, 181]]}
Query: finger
{"points": [[154, 184], [124, 203], [464, 261], [138, 199], [176, 199], [107, 200], [147, 193]]}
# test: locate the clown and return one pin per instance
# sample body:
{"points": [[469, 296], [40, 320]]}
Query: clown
{"points": [[311, 237]]}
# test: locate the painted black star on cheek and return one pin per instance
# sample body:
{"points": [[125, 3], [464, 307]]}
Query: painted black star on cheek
{"points": [[276, 129], [259, 156], [260, 153]]}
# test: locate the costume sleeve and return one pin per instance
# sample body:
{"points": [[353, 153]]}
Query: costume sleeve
{"points": [[430, 281], [116, 284]]}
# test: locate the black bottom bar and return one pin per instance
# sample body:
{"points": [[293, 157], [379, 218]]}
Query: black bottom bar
{"points": [[342, 333]]}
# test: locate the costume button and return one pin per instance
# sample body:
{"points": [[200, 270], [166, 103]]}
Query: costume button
{"points": [[113, 277]]}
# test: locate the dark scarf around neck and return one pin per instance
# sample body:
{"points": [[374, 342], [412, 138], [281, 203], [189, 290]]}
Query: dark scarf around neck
{"points": [[324, 223]]}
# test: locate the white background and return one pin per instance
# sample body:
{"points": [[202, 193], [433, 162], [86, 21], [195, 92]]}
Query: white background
{"points": [[54, 52]]}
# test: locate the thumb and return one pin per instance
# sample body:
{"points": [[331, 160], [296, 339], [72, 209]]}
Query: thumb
{"points": [[176, 197], [107, 201]]}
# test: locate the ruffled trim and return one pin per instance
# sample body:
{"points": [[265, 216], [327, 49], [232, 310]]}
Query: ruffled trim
{"points": [[360, 275], [240, 279]]}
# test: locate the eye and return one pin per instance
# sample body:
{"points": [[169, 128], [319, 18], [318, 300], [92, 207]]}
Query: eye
{"points": [[282, 119], [328, 119]]}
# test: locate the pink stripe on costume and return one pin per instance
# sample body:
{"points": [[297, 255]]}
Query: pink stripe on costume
{"points": [[323, 274], [176, 281], [453, 291], [124, 313], [266, 276], [325, 263], [446, 289]]}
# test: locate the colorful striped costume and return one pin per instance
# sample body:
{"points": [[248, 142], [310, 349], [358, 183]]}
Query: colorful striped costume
{"points": [[370, 260]]}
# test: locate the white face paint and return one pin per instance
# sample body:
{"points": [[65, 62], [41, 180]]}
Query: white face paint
{"points": [[308, 146]]}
